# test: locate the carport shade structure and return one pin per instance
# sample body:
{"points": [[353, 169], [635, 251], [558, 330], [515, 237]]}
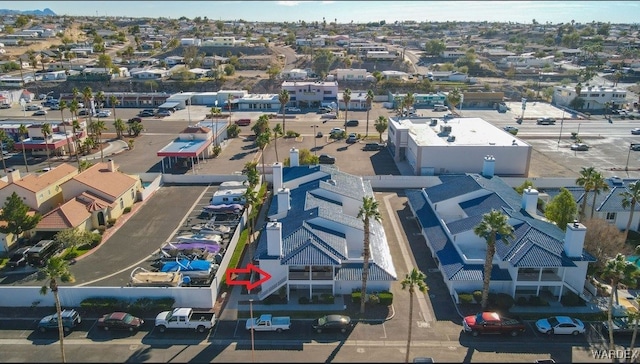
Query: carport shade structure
{"points": [[181, 148]]}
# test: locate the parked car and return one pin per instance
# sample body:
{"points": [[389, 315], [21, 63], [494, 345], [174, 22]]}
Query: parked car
{"points": [[54, 106], [134, 120], [146, 113], [243, 122], [579, 147], [351, 123], [41, 252], [635, 131], [336, 131], [324, 110], [267, 322], [83, 112], [40, 113], [103, 113], [319, 135], [329, 116], [293, 109], [440, 108], [546, 121], [163, 113], [33, 108], [70, 319], [492, 323], [373, 146], [120, 321], [18, 258], [635, 147], [333, 323], [352, 138], [5, 106], [560, 325], [511, 129], [448, 116], [326, 159]]}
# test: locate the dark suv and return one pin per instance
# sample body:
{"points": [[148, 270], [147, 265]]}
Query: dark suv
{"points": [[147, 113], [351, 123], [70, 319], [18, 258]]}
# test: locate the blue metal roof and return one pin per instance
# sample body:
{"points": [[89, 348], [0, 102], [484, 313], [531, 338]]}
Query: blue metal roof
{"points": [[451, 186], [292, 173], [353, 272]]}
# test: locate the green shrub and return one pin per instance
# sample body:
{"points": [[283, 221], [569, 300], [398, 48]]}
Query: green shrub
{"points": [[501, 301], [303, 300], [572, 300], [355, 297], [127, 210], [537, 301], [522, 301], [314, 299], [233, 131], [327, 298], [477, 296], [374, 299], [111, 222], [103, 304], [465, 298], [386, 298], [70, 254], [291, 134]]}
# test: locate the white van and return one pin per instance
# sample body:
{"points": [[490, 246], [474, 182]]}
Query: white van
{"points": [[440, 107]]}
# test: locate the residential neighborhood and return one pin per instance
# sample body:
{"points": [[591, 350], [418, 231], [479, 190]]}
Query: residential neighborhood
{"points": [[396, 176]]}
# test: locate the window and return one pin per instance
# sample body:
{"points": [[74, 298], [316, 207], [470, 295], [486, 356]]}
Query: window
{"points": [[611, 216], [121, 203]]}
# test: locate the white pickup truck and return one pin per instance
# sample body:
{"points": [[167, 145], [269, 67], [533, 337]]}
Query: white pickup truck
{"points": [[269, 323], [185, 318]]}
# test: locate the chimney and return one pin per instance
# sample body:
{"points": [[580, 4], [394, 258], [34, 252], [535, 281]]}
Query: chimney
{"points": [[294, 158], [277, 176], [111, 165], [488, 166], [13, 176], [274, 238], [574, 239], [284, 201], [530, 201]]}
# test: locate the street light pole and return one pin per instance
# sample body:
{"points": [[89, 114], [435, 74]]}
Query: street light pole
{"points": [[188, 109], [315, 143], [216, 114], [626, 167], [253, 358], [561, 125]]}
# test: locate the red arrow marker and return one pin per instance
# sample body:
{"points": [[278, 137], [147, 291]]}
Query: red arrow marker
{"points": [[250, 285]]}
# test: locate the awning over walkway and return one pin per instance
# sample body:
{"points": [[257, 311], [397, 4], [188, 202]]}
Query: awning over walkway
{"points": [[169, 105]]}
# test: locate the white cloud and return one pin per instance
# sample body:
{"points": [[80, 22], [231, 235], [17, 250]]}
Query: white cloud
{"points": [[289, 3]]}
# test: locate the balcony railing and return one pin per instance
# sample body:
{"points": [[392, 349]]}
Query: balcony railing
{"points": [[547, 276], [307, 276]]}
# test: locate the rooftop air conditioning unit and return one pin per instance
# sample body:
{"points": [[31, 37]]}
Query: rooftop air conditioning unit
{"points": [[451, 138], [616, 180], [445, 129]]}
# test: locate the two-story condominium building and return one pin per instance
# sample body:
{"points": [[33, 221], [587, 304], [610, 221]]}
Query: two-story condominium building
{"points": [[310, 94], [595, 97], [351, 74], [313, 243], [224, 41], [542, 260]]}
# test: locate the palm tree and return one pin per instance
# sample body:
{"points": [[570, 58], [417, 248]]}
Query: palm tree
{"points": [[215, 113], [409, 100], [120, 127], [3, 137], [493, 223], [369, 99], [113, 100], [598, 184], [618, 270], [56, 269], [75, 127], [97, 128], [585, 181], [63, 106], [73, 109], [277, 131], [412, 280], [262, 141], [346, 98], [454, 97], [23, 132], [369, 210], [381, 125], [46, 133], [630, 198], [251, 200], [284, 98], [634, 319], [87, 95], [100, 97], [75, 93]]}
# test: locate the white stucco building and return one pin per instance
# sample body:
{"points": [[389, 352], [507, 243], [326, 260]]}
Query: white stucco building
{"points": [[594, 97]]}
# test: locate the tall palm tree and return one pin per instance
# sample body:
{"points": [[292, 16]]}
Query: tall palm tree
{"points": [[3, 137], [251, 200], [100, 98], [369, 100], [75, 126], [277, 131], [618, 270], [454, 97], [113, 101], [46, 133], [585, 181], [413, 280], [75, 92], [630, 198], [284, 98], [87, 95], [215, 113], [63, 106], [262, 141], [97, 127], [56, 269], [73, 109], [120, 127], [369, 210], [381, 125], [346, 98], [493, 223], [598, 184], [409, 100], [23, 132]]}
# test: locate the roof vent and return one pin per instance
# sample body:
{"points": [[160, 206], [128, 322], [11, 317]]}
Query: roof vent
{"points": [[332, 182], [616, 180], [451, 138]]}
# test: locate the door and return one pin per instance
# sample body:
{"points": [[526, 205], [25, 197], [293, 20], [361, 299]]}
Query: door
{"points": [[101, 220]]}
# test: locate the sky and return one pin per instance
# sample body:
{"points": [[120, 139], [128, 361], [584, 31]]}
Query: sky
{"points": [[352, 11]]}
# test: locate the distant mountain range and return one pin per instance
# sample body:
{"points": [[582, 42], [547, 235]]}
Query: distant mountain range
{"points": [[45, 12]]}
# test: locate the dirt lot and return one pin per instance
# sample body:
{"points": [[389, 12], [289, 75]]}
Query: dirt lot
{"points": [[74, 33]]}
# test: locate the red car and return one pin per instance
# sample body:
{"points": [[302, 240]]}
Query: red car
{"points": [[120, 321]]}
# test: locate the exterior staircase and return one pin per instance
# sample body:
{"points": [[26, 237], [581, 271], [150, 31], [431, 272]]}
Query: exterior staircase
{"points": [[267, 290]]}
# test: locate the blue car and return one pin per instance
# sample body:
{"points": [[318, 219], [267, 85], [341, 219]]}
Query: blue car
{"points": [[70, 319]]}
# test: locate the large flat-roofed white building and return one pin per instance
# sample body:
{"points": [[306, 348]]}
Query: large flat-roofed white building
{"points": [[445, 147]]}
